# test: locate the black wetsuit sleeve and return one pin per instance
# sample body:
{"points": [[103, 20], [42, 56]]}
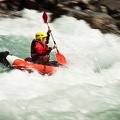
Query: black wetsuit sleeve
{"points": [[47, 52], [48, 37]]}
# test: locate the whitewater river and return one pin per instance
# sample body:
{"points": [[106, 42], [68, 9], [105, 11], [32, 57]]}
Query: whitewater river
{"points": [[87, 89]]}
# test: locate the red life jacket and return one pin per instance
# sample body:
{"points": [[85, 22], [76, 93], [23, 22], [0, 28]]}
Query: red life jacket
{"points": [[36, 53]]}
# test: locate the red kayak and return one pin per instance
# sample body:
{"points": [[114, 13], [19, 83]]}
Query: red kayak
{"points": [[18, 63]]}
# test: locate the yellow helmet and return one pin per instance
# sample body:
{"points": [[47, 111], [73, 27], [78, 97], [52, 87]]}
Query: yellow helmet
{"points": [[40, 35]]}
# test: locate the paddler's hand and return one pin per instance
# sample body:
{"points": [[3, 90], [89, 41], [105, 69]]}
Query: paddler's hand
{"points": [[49, 30], [55, 46]]}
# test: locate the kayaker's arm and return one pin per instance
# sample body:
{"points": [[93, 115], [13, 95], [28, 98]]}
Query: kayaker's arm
{"points": [[46, 53], [48, 37]]}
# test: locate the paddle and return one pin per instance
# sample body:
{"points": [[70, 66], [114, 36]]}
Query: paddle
{"points": [[60, 58]]}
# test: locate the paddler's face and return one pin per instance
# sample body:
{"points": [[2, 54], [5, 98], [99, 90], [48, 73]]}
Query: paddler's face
{"points": [[44, 40]]}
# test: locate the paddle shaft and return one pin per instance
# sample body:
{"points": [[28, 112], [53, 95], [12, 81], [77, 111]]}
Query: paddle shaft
{"points": [[60, 58], [45, 18], [52, 37]]}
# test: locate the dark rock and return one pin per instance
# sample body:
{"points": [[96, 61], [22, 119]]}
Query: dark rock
{"points": [[100, 14]]}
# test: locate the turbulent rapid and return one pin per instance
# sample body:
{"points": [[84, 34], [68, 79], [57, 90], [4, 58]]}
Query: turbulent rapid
{"points": [[86, 89]]}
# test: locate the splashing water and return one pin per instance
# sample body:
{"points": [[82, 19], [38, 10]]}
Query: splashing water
{"points": [[87, 89]]}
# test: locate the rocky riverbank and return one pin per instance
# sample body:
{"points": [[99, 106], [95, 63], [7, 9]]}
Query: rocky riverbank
{"points": [[100, 14]]}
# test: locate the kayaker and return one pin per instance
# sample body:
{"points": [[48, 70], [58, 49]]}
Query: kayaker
{"points": [[40, 50]]}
